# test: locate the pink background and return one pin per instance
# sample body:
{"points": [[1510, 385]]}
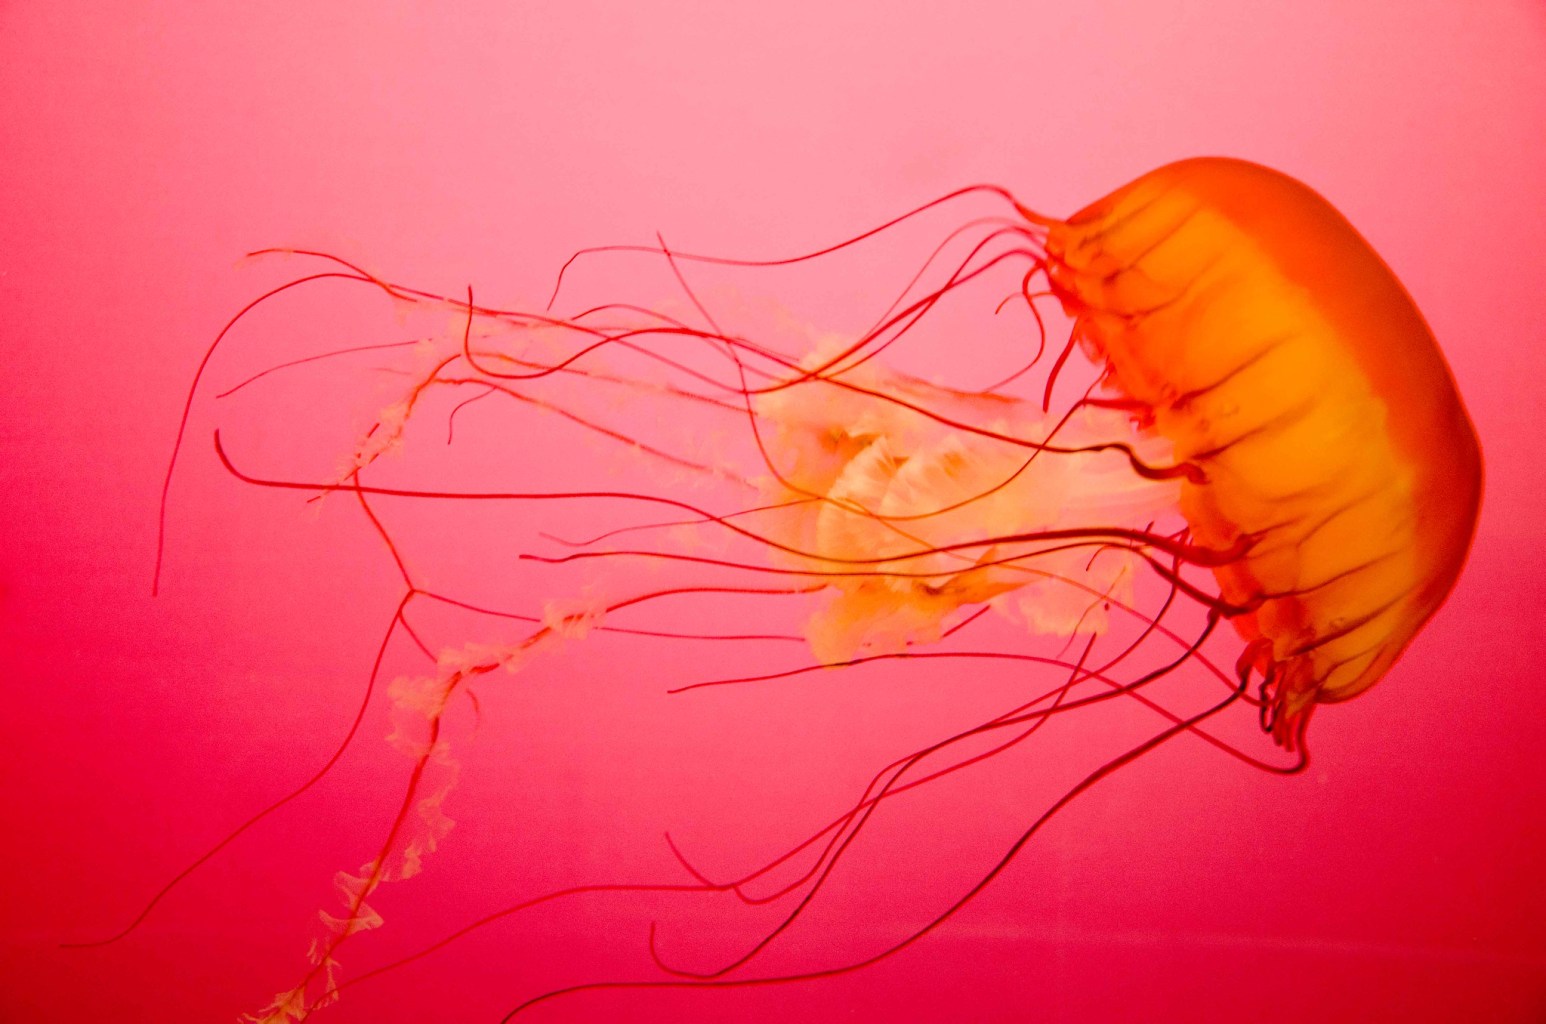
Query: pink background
{"points": [[147, 146]]}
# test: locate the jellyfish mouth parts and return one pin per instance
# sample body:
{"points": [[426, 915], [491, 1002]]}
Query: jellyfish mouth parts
{"points": [[883, 499]]}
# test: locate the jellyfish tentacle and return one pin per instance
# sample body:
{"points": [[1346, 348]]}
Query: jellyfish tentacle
{"points": [[1083, 536], [193, 388], [1016, 716], [317, 776], [398, 858], [850, 823], [1001, 223], [318, 357], [919, 757], [996, 190], [1103, 772], [705, 885], [1041, 328]]}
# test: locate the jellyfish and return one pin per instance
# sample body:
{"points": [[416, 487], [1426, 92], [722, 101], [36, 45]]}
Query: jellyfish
{"points": [[1247, 466]]}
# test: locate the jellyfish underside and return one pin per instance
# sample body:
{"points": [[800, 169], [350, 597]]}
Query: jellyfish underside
{"points": [[869, 504]]}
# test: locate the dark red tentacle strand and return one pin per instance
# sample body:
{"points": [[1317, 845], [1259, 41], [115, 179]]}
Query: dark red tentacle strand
{"points": [[1145, 651]]}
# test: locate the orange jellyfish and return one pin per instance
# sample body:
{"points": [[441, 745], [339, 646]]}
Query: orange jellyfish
{"points": [[1256, 330], [1263, 432]]}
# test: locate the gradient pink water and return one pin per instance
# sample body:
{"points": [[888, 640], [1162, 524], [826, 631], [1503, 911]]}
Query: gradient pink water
{"points": [[148, 146]]}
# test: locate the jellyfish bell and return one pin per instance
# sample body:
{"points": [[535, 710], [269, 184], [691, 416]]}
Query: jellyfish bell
{"points": [[1264, 337], [1270, 436]]}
